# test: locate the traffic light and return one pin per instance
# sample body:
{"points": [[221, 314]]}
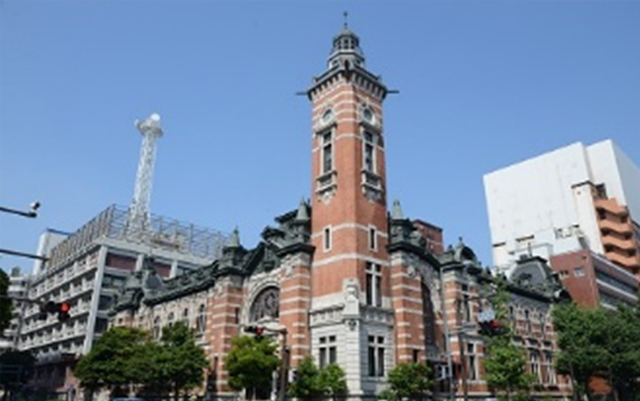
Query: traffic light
{"points": [[257, 330], [61, 308], [63, 311], [489, 326]]}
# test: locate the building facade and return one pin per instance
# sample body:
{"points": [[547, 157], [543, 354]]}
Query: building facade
{"points": [[351, 282], [579, 208], [87, 269], [18, 287], [573, 197]]}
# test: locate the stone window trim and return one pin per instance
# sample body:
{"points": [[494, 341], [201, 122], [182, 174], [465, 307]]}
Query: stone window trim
{"points": [[549, 370], [185, 317], [373, 238], [472, 361], [327, 351], [375, 130], [326, 140], [201, 320], [376, 354], [373, 285], [157, 329], [369, 155], [326, 238], [327, 182], [323, 128], [534, 364]]}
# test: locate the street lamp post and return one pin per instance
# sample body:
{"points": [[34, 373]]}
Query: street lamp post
{"points": [[32, 213]]}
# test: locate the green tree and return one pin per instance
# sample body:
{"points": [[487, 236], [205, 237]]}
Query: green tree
{"points": [[251, 363], [308, 385], [179, 362], [333, 381], [407, 381], [15, 367], [504, 361], [599, 342], [5, 303], [117, 360]]}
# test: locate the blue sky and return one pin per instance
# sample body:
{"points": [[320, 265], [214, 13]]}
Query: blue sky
{"points": [[482, 85]]}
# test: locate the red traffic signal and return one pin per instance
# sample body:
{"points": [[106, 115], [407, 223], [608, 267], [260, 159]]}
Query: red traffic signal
{"points": [[257, 330], [61, 308], [65, 307]]}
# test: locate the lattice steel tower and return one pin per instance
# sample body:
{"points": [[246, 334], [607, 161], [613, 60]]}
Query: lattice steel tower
{"points": [[139, 213]]}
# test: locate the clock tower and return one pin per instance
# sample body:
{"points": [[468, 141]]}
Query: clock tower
{"points": [[351, 319]]}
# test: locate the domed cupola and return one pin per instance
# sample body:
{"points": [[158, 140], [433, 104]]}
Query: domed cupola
{"points": [[346, 50]]}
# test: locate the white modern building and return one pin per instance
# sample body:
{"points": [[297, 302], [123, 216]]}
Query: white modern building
{"points": [[18, 287], [575, 197]]}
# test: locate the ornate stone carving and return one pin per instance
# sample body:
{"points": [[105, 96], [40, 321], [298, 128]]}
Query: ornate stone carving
{"points": [[266, 304]]}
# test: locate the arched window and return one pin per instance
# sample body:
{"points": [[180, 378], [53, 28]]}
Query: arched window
{"points": [[201, 321], [185, 317], [170, 319], [266, 304], [156, 328]]}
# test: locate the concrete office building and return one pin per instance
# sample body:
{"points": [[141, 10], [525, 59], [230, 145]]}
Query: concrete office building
{"points": [[18, 287], [86, 269], [574, 203]]}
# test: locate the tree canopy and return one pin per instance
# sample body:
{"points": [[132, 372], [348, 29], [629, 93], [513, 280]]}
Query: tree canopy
{"points": [[179, 362], [5, 302], [407, 381], [504, 361], [15, 368], [307, 384], [313, 382], [599, 342], [117, 359], [124, 358], [251, 362]]}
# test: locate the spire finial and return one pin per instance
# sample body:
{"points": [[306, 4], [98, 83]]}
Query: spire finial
{"points": [[346, 22], [302, 214], [396, 212], [234, 241]]}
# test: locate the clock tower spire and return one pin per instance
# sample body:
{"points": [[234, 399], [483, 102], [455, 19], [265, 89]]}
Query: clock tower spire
{"points": [[350, 268]]}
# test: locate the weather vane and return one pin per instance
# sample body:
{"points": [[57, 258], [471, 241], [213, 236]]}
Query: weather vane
{"points": [[346, 24]]}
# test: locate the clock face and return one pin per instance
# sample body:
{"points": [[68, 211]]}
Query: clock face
{"points": [[327, 116], [367, 115]]}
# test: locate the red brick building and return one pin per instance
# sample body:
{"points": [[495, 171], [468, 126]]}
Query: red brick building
{"points": [[352, 283]]}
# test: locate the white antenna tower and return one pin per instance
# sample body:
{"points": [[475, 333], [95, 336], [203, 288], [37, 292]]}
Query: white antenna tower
{"points": [[139, 213]]}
